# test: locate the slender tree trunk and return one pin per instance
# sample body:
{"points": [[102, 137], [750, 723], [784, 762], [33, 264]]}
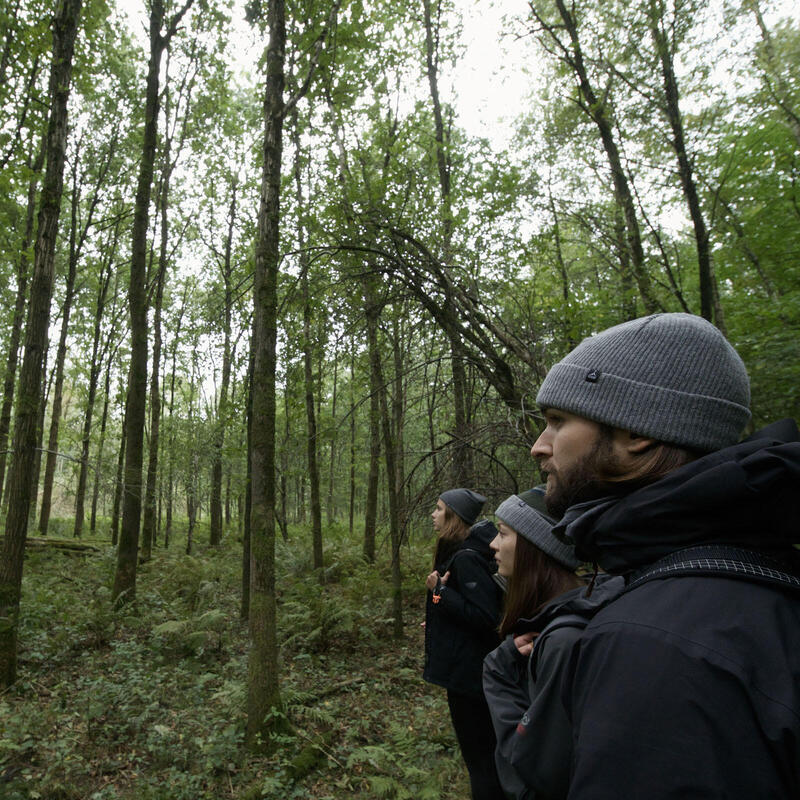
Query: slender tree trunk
{"points": [[127, 554], [98, 464], [248, 496], [710, 306], [390, 457], [371, 506], [65, 29], [263, 695], [94, 377], [332, 463], [462, 457], [775, 81], [311, 426], [312, 450], [19, 316], [598, 111], [352, 438], [222, 408], [171, 437], [61, 355], [149, 531], [119, 483]]}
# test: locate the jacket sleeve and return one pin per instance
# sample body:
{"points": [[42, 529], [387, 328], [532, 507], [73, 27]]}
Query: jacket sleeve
{"points": [[471, 596], [534, 736]]}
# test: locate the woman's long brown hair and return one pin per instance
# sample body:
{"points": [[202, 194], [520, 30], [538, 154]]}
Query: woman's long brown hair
{"points": [[537, 578], [452, 532]]}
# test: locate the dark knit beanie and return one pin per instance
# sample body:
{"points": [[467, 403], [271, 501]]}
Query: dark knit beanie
{"points": [[466, 503], [525, 514], [671, 377]]}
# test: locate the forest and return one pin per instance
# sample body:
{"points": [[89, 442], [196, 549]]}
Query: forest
{"points": [[266, 293]]}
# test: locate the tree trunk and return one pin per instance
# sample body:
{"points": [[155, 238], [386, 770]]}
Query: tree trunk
{"points": [[248, 496], [98, 464], [19, 315], [171, 437], [597, 110], [390, 457], [371, 504], [119, 483], [94, 377], [710, 307], [61, 355], [222, 408], [352, 439], [263, 696], [461, 474], [127, 554], [149, 524], [308, 365], [332, 464], [65, 29]]}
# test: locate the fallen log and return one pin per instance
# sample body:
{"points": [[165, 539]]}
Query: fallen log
{"points": [[41, 543]]}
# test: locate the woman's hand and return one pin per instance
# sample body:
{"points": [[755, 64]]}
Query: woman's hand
{"points": [[434, 579], [524, 642]]}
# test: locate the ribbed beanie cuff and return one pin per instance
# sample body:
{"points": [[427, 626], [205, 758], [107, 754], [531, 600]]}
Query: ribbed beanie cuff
{"points": [[536, 528], [671, 377]]}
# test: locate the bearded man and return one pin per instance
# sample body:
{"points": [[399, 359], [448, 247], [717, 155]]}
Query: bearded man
{"points": [[687, 685]]}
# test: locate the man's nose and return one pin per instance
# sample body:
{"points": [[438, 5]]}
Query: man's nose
{"points": [[542, 446]]}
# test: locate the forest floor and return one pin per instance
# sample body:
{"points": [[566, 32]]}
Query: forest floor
{"points": [[148, 703]]}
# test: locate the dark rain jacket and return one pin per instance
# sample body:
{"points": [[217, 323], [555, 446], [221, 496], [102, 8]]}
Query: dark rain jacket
{"points": [[689, 686], [462, 627], [534, 737]]}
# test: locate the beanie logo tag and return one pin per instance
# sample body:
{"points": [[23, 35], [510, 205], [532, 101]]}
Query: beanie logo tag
{"points": [[593, 376]]}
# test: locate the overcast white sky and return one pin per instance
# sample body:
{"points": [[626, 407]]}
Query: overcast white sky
{"points": [[489, 86]]}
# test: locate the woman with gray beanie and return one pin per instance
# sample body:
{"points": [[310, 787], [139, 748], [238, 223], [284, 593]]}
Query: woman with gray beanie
{"points": [[461, 616], [547, 606]]}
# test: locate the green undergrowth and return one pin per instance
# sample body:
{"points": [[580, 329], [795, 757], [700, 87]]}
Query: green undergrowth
{"points": [[149, 703]]}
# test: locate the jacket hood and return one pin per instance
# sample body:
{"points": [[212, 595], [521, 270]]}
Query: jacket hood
{"points": [[745, 495], [479, 536]]}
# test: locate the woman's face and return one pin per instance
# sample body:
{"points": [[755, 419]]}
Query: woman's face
{"points": [[504, 545], [438, 515]]}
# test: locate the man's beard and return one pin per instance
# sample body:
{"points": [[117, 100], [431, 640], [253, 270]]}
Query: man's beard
{"points": [[587, 479]]}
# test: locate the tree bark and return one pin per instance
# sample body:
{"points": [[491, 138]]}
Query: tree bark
{"points": [[263, 695], [61, 355], [222, 408], [65, 29], [94, 377], [127, 554], [19, 316]]}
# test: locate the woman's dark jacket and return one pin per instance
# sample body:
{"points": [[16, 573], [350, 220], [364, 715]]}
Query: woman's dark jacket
{"points": [[688, 686], [534, 737], [462, 627]]}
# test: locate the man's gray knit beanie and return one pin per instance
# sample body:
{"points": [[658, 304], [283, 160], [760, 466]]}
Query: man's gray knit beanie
{"points": [[525, 514], [671, 377]]}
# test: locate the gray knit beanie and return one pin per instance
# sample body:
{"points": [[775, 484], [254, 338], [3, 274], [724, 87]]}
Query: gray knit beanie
{"points": [[466, 503], [525, 514], [672, 377]]}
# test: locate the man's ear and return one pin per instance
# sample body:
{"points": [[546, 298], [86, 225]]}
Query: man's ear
{"points": [[636, 444]]}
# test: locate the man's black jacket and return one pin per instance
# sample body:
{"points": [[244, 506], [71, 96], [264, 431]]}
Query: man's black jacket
{"points": [[689, 687]]}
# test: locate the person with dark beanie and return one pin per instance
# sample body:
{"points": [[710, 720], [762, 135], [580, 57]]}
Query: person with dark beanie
{"points": [[461, 617], [687, 684]]}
